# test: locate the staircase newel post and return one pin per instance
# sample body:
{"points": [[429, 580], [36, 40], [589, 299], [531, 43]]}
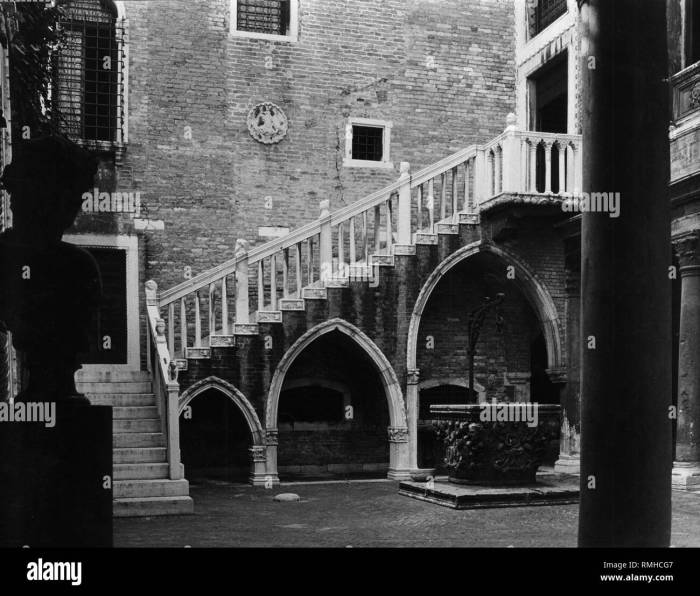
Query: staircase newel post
{"points": [[242, 304], [511, 156], [177, 470], [481, 179], [326, 238], [404, 224]]}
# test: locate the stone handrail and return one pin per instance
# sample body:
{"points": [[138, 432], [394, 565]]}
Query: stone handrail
{"points": [[352, 241], [165, 385]]}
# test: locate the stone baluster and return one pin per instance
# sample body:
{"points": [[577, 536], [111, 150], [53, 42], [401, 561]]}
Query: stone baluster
{"points": [[388, 229], [242, 304], [325, 242], [224, 307], [197, 322], [211, 305], [285, 273], [171, 329], [261, 286], [404, 223], [431, 204], [455, 206], [298, 267], [377, 228], [562, 167], [341, 248], [183, 327], [548, 167], [353, 249], [468, 207], [534, 143], [443, 195], [273, 282]]}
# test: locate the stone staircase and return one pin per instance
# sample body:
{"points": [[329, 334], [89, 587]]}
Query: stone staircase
{"points": [[141, 483]]}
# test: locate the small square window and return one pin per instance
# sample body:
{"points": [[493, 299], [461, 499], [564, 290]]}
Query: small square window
{"points": [[367, 143], [264, 19]]}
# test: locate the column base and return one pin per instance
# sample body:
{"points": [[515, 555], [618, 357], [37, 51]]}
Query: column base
{"points": [[568, 464], [399, 475], [264, 480], [686, 476]]}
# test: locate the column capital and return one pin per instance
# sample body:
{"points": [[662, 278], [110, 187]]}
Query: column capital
{"points": [[398, 434], [271, 436], [686, 248], [258, 453], [412, 376]]}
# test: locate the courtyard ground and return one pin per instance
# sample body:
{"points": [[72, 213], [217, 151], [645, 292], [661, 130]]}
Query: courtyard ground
{"points": [[364, 514]]}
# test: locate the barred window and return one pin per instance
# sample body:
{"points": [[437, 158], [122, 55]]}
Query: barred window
{"points": [[264, 18], [542, 13], [89, 67], [367, 143]]}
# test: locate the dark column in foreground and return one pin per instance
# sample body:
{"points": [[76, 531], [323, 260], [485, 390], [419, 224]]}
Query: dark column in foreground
{"points": [[625, 287]]}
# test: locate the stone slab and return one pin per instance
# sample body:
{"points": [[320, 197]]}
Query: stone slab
{"points": [[550, 489]]}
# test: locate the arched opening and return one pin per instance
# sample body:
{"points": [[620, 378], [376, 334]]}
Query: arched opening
{"points": [[214, 439], [221, 437], [333, 413], [510, 358]]}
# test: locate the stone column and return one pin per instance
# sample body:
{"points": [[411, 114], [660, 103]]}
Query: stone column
{"points": [[412, 406], [686, 468], [258, 465], [569, 461], [271, 441], [625, 291]]}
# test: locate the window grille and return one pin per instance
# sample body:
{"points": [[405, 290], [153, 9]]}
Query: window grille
{"points": [[90, 70], [263, 16], [367, 143], [545, 13]]}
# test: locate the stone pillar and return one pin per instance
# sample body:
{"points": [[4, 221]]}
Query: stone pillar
{"points": [[412, 405], [686, 468], [569, 461], [625, 290], [398, 453], [271, 442], [258, 466]]}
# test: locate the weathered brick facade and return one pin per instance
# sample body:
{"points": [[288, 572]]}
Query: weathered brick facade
{"points": [[439, 71]]}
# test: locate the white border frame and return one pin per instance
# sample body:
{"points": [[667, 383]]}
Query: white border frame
{"points": [[130, 244], [292, 37], [386, 126]]}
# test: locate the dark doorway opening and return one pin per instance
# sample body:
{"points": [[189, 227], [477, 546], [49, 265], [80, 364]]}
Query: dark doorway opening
{"points": [[214, 439], [548, 88], [108, 329]]}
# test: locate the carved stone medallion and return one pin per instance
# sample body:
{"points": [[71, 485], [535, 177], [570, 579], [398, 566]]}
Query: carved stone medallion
{"points": [[267, 123]]}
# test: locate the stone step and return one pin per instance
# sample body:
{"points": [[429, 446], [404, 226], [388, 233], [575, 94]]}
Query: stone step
{"points": [[140, 507], [116, 387], [123, 489], [134, 412], [133, 455], [120, 440], [113, 376], [146, 425], [140, 471], [122, 399]]}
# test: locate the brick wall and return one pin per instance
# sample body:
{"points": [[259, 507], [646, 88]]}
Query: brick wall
{"points": [[441, 71]]}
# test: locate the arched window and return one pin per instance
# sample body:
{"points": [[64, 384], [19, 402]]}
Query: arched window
{"points": [[90, 73]]}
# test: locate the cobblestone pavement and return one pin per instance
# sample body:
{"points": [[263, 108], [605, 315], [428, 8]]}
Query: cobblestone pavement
{"points": [[364, 514]]}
